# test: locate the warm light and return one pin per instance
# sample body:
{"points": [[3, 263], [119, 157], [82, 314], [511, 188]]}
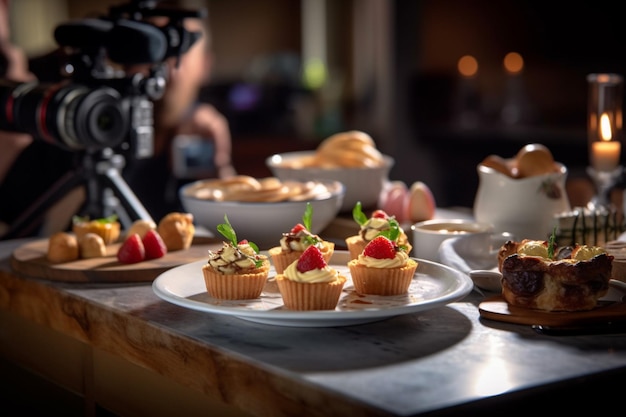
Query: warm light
{"points": [[513, 63], [605, 153], [493, 377], [605, 127], [467, 66]]}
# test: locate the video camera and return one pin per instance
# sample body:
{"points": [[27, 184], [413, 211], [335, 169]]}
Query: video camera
{"points": [[100, 104], [102, 107]]}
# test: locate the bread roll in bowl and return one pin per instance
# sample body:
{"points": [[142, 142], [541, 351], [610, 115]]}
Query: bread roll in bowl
{"points": [[499, 164], [534, 159]]}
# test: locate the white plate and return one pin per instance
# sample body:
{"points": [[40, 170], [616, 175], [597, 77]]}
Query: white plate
{"points": [[473, 252], [434, 285]]}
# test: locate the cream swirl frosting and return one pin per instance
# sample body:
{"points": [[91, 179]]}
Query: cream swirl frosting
{"points": [[326, 274], [234, 260], [373, 226], [398, 261], [299, 241]]}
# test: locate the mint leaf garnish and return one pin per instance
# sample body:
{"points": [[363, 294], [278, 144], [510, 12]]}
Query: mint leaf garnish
{"points": [[552, 243], [307, 216], [226, 229], [393, 232], [358, 215]]}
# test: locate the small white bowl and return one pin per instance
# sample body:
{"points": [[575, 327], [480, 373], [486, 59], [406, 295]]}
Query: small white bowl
{"points": [[430, 234], [262, 222], [362, 184]]}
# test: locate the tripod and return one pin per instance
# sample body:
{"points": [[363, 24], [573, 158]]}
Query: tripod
{"points": [[106, 193]]}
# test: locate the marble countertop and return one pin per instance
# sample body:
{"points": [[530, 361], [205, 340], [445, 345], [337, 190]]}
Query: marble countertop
{"points": [[444, 361]]}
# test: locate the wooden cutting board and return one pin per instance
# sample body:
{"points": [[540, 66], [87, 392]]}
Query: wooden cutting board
{"points": [[30, 259], [610, 307]]}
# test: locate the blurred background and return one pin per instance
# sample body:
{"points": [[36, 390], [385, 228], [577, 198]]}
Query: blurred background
{"points": [[425, 78]]}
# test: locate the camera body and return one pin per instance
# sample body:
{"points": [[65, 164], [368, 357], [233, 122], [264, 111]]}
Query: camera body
{"points": [[193, 157], [79, 116], [99, 104]]}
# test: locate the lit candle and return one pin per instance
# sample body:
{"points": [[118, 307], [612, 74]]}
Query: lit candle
{"points": [[605, 153]]}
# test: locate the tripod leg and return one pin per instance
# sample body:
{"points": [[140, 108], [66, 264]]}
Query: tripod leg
{"points": [[98, 178], [127, 197]]}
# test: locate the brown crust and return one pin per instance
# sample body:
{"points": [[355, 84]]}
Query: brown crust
{"points": [[510, 247], [177, 230], [235, 286], [563, 285], [388, 281], [310, 296]]}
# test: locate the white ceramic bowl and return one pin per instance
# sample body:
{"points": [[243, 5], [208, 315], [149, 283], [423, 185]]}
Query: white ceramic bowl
{"points": [[264, 222], [362, 184], [430, 234]]}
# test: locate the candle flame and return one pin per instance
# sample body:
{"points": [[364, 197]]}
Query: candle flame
{"points": [[605, 127]]}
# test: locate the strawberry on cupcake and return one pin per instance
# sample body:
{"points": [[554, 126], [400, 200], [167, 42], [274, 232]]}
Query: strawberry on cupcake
{"points": [[309, 283], [379, 223], [384, 268], [294, 243]]}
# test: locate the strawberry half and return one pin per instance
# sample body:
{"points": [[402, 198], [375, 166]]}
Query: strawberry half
{"points": [[154, 245], [132, 250], [380, 248], [379, 214], [297, 228], [311, 259]]}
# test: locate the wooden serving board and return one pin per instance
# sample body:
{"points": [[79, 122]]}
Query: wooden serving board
{"points": [[30, 259], [610, 307]]}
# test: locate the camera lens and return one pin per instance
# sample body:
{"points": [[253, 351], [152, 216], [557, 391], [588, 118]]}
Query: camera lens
{"points": [[101, 118], [8, 91], [71, 116]]}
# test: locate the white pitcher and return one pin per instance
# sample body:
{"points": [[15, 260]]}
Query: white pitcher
{"points": [[525, 207]]}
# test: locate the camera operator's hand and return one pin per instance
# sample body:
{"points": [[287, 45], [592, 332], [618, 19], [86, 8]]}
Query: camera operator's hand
{"points": [[14, 62], [179, 113], [207, 122], [15, 68]]}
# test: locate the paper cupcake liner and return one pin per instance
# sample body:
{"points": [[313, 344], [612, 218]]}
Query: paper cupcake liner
{"points": [[377, 281], [109, 232], [234, 286], [355, 245], [310, 296]]}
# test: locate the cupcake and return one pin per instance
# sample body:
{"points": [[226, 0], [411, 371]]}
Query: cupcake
{"points": [[382, 269], [108, 228], [236, 271], [293, 243], [309, 283], [379, 223]]}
